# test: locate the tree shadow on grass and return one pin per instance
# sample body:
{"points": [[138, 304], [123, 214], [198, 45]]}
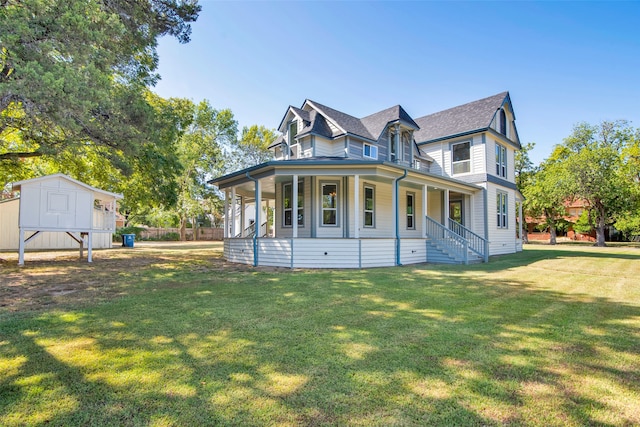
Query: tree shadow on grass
{"points": [[321, 348]]}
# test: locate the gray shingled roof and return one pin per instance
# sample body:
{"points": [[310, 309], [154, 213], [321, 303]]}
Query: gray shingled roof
{"points": [[375, 123], [469, 117], [348, 123], [317, 125]]}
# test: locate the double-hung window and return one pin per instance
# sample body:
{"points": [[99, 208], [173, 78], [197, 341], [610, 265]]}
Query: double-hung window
{"points": [[370, 151], [501, 209], [330, 204], [501, 161], [287, 202], [369, 206], [461, 155], [411, 208]]}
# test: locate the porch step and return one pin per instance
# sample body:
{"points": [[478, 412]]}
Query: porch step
{"points": [[438, 254]]}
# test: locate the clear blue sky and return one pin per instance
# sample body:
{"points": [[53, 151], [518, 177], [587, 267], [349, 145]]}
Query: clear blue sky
{"points": [[563, 62]]}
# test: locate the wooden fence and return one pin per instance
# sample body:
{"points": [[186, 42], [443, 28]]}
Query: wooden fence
{"points": [[204, 233]]}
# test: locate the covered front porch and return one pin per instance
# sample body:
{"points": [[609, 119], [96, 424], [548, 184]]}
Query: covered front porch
{"points": [[348, 214]]}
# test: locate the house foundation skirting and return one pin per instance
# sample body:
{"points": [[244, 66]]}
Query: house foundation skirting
{"points": [[324, 253]]}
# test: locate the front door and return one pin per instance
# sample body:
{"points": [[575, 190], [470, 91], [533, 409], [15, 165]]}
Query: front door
{"points": [[455, 211]]}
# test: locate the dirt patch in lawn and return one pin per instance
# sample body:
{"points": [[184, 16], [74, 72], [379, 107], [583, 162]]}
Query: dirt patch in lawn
{"points": [[61, 278]]}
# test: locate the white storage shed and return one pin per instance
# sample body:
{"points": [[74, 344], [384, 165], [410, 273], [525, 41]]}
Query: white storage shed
{"points": [[57, 204]]}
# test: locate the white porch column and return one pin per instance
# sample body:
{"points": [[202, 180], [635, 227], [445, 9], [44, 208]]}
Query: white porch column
{"points": [[446, 209], [243, 219], [398, 144], [266, 212], [258, 210], [234, 212], [356, 206], [294, 206], [225, 223], [424, 211]]}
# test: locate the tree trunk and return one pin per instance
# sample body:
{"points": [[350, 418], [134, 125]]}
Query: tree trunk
{"points": [[195, 229], [183, 229], [552, 235], [600, 223]]}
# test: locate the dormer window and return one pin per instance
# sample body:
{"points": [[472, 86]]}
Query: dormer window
{"points": [[503, 122], [293, 131]]}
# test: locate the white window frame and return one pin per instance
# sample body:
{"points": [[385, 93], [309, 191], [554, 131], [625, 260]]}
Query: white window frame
{"points": [[290, 209], [336, 208], [373, 151], [412, 215], [372, 211], [501, 160], [502, 207], [460, 162]]}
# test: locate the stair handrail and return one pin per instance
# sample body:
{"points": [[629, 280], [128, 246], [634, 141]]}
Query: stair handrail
{"points": [[453, 242], [477, 243], [251, 230]]}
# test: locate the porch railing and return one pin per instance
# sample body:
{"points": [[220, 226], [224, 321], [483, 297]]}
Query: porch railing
{"points": [[452, 242], [477, 244], [250, 231]]}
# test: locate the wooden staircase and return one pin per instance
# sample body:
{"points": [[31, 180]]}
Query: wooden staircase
{"points": [[454, 245]]}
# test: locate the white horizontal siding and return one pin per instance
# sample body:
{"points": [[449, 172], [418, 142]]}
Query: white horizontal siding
{"points": [[378, 252], [10, 233], [501, 240], [274, 252], [324, 147], [325, 253], [413, 251], [240, 251]]}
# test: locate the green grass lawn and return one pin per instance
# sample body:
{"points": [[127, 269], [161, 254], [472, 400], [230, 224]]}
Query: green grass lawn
{"points": [[171, 335]]}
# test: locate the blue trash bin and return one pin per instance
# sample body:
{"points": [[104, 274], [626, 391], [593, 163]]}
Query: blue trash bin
{"points": [[127, 240]]}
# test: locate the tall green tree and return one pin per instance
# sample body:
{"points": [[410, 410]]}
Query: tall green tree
{"points": [[545, 194], [592, 161], [252, 148], [75, 72], [524, 171], [199, 152]]}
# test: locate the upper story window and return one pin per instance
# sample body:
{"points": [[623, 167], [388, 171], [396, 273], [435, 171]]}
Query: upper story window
{"points": [[461, 155], [293, 131], [393, 147], [503, 122], [370, 151], [287, 202], [501, 161]]}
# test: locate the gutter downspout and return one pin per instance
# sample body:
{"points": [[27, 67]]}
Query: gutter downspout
{"points": [[396, 207], [256, 226], [486, 225]]}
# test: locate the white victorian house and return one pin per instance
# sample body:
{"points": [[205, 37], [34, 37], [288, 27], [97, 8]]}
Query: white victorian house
{"points": [[382, 190]]}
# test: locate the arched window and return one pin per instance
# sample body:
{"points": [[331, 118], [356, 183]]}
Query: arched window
{"points": [[503, 122]]}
